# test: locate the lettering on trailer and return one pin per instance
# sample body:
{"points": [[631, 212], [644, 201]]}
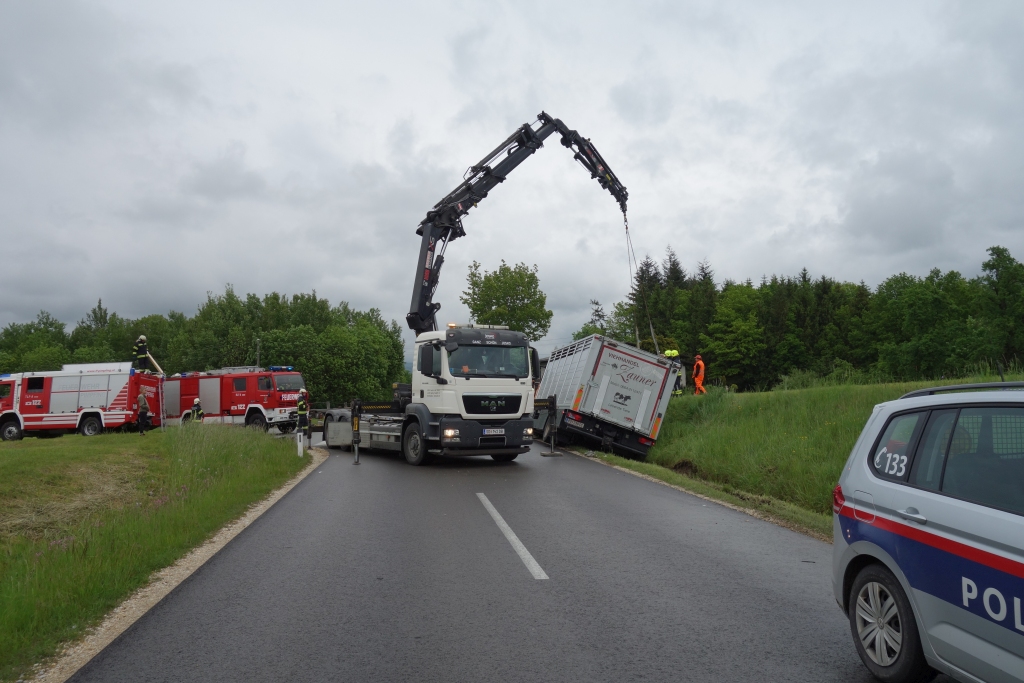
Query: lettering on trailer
{"points": [[628, 378], [983, 583]]}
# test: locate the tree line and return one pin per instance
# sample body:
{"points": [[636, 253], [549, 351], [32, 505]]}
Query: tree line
{"points": [[343, 353], [755, 335]]}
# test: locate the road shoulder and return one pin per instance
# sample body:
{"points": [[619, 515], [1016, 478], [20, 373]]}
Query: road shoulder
{"points": [[769, 509], [75, 655]]}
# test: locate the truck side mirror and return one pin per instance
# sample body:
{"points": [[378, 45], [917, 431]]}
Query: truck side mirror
{"points": [[427, 360], [451, 346], [534, 364]]}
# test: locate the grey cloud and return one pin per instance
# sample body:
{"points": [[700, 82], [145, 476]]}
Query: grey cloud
{"points": [[644, 102], [225, 177]]}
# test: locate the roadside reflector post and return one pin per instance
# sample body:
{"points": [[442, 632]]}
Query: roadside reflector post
{"points": [[356, 409], [298, 439], [552, 416]]}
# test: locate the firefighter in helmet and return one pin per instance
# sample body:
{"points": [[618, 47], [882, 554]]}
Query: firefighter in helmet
{"points": [[196, 414], [302, 406], [677, 389], [140, 353]]}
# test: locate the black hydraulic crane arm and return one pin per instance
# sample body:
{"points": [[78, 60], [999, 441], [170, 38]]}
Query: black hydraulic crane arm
{"points": [[444, 222]]}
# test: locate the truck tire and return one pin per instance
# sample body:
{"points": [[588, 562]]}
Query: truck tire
{"points": [[504, 457], [10, 431], [257, 421], [286, 428], [414, 446], [91, 426]]}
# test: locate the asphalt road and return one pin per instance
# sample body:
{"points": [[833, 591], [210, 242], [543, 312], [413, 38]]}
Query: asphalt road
{"points": [[386, 572]]}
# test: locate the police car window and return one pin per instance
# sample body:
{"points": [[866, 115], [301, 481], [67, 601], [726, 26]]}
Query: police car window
{"points": [[239, 383], [985, 464], [5, 390], [35, 384], [263, 384], [931, 455], [891, 459]]}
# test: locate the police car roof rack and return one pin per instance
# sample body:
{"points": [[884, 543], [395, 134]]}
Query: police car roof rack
{"points": [[931, 391]]}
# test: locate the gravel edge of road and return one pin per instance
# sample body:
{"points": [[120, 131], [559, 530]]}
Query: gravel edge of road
{"points": [[723, 500], [75, 655]]}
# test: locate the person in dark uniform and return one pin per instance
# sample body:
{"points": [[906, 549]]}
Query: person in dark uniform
{"points": [[140, 353], [143, 414], [196, 414], [302, 405]]}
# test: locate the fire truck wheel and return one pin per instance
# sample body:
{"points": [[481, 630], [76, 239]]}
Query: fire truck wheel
{"points": [[10, 431], [257, 421], [91, 426], [414, 446], [286, 429]]}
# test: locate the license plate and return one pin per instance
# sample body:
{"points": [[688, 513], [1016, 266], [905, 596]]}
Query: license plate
{"points": [[490, 432]]}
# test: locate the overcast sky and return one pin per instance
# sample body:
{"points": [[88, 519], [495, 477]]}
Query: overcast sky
{"points": [[151, 152]]}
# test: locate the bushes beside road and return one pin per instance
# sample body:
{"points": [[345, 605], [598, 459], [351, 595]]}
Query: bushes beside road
{"points": [[84, 522]]}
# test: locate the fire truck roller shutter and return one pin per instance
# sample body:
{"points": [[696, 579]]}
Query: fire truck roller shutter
{"points": [[93, 392], [64, 394], [209, 395], [172, 399]]}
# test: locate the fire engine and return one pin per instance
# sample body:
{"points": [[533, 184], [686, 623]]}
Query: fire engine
{"points": [[86, 398], [255, 397]]}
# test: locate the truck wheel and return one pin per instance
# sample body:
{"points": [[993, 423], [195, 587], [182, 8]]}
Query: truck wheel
{"points": [[10, 431], [286, 428], [414, 446], [505, 457], [91, 426], [257, 421]]}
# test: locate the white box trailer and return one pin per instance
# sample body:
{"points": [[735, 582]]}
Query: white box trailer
{"points": [[607, 392]]}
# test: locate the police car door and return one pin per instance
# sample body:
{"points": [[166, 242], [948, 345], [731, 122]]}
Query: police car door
{"points": [[960, 537]]}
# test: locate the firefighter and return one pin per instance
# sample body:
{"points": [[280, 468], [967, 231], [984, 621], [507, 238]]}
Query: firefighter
{"points": [[302, 405], [140, 353], [196, 414], [143, 413], [698, 376]]}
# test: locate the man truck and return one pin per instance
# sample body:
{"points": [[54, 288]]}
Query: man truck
{"points": [[472, 385]]}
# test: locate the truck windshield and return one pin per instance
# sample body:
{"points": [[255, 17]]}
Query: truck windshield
{"points": [[289, 382], [489, 361]]}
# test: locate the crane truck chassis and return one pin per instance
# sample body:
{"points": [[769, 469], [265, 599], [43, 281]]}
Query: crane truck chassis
{"points": [[472, 386]]}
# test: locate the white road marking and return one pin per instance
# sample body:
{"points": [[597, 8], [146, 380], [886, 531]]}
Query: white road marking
{"points": [[517, 545]]}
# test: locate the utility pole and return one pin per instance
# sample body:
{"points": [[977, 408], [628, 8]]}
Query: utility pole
{"points": [[257, 353]]}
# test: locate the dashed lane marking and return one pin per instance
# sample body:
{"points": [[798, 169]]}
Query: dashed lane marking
{"points": [[517, 545]]}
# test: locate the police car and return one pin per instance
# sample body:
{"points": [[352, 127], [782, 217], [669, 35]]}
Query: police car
{"points": [[928, 561]]}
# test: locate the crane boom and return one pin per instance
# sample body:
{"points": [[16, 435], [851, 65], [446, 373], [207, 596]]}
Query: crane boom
{"points": [[443, 223]]}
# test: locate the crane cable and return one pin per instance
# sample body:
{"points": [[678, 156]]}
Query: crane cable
{"points": [[643, 296]]}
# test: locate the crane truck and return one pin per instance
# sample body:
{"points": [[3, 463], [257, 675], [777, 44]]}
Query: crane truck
{"points": [[472, 388]]}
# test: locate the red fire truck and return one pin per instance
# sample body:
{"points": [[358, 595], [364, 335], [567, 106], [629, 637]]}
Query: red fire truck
{"points": [[255, 397], [86, 398]]}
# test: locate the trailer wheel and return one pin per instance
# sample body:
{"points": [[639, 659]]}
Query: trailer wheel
{"points": [[257, 421], [91, 426], [414, 446], [10, 431]]}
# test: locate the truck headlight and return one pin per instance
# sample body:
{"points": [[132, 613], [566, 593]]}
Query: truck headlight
{"points": [[449, 433], [528, 431]]}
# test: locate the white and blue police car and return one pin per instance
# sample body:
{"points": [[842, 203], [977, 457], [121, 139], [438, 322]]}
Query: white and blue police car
{"points": [[928, 561]]}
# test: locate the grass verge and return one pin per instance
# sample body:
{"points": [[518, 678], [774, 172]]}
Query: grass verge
{"points": [[85, 522], [778, 453]]}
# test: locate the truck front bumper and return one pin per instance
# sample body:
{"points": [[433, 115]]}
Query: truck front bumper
{"points": [[469, 437]]}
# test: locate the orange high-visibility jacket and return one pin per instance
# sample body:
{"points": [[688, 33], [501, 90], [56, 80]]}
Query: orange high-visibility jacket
{"points": [[698, 370]]}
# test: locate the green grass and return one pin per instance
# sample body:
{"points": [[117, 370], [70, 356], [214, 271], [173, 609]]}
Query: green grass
{"points": [[84, 522], [770, 449]]}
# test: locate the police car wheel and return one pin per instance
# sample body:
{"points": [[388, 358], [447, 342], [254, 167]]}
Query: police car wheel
{"points": [[91, 426], [884, 629], [414, 447], [10, 431]]}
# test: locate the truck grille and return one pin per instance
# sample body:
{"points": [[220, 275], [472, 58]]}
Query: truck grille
{"points": [[492, 404]]}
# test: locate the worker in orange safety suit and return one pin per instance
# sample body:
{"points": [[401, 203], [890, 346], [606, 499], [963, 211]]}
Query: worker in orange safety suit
{"points": [[698, 376]]}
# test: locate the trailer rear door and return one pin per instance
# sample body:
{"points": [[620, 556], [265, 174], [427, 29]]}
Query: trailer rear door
{"points": [[626, 389]]}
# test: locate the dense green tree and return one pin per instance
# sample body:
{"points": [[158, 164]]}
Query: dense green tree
{"points": [[510, 295]]}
